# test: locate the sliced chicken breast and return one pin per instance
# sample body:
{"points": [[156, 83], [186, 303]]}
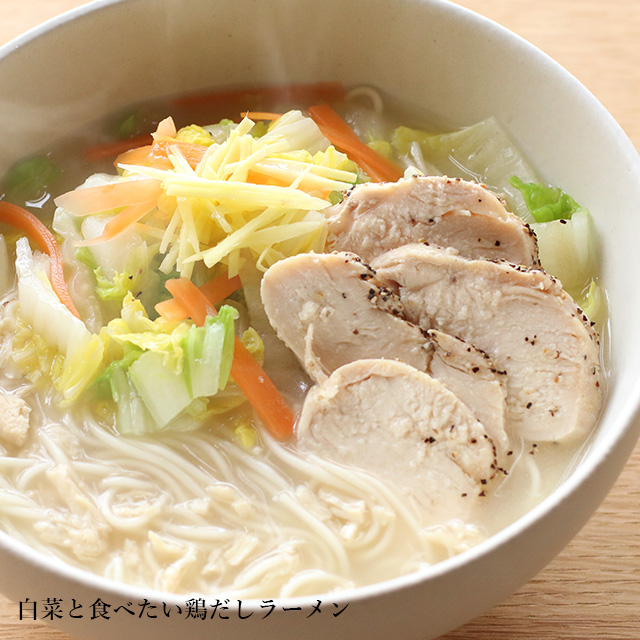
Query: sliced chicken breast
{"points": [[376, 217], [540, 342], [472, 376], [330, 309], [326, 308], [388, 418]]}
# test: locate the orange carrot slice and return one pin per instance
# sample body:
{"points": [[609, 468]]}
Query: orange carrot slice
{"points": [[145, 156], [246, 372], [171, 310], [139, 155], [191, 298], [261, 392], [120, 222], [214, 291], [260, 115], [157, 154], [112, 149], [107, 150], [192, 152], [341, 136], [83, 202], [35, 229]]}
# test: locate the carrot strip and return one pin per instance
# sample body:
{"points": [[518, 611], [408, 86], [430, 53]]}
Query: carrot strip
{"points": [[157, 154], [31, 225], [219, 288], [193, 153], [246, 372], [191, 299], [171, 310], [120, 222], [255, 177], [112, 149], [261, 392], [215, 291], [144, 156], [341, 136], [83, 202], [260, 115], [307, 93]]}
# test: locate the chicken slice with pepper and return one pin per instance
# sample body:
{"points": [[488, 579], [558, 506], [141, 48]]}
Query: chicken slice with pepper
{"points": [[542, 345], [397, 422], [376, 217], [331, 309]]}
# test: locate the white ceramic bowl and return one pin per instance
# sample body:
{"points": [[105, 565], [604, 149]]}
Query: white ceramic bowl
{"points": [[429, 53]]}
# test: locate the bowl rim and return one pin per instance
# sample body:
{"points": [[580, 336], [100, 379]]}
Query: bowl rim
{"points": [[625, 423]]}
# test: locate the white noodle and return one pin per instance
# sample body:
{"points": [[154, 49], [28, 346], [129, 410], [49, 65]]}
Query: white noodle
{"points": [[124, 524], [318, 527], [307, 582], [370, 94], [28, 476]]}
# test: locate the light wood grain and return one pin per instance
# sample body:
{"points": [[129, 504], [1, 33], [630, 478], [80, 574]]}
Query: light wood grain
{"points": [[592, 590]]}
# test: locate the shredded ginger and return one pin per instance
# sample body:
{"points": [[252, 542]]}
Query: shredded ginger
{"points": [[263, 194]]}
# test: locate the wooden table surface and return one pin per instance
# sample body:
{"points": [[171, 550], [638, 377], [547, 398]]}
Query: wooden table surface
{"points": [[592, 590]]}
